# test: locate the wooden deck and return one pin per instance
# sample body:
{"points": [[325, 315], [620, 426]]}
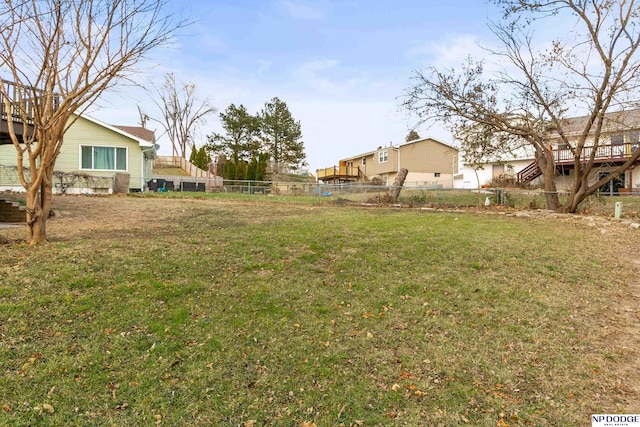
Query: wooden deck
{"points": [[603, 154], [614, 154], [340, 173], [20, 110]]}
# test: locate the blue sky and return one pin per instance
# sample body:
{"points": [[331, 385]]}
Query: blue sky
{"points": [[341, 66]]}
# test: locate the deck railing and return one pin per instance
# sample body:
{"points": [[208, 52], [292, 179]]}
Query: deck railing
{"points": [[603, 152], [338, 172], [22, 100]]}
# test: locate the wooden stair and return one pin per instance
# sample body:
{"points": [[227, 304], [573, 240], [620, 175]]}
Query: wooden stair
{"points": [[11, 212], [529, 173]]}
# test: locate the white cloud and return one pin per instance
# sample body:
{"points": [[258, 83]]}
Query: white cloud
{"points": [[301, 10], [447, 52]]}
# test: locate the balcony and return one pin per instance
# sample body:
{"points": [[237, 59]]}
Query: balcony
{"points": [[342, 173], [603, 154], [20, 110], [608, 153]]}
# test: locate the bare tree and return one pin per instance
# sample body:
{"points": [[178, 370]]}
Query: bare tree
{"points": [[592, 70], [481, 145], [181, 112], [61, 55]]}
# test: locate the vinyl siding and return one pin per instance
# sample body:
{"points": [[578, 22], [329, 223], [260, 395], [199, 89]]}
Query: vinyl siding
{"points": [[423, 159], [85, 132]]}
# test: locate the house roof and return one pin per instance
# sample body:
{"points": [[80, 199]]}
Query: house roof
{"points": [[144, 143], [415, 141], [138, 131], [614, 121]]}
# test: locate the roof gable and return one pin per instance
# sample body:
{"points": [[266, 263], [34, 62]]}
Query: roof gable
{"points": [[142, 141], [415, 141]]}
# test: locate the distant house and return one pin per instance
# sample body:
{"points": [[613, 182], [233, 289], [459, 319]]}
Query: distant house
{"points": [[95, 158], [429, 162], [506, 167], [620, 137]]}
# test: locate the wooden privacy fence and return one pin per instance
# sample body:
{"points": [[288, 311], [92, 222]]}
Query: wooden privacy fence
{"points": [[209, 178]]}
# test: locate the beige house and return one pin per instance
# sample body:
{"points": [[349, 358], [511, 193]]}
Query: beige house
{"points": [[95, 158], [429, 162]]}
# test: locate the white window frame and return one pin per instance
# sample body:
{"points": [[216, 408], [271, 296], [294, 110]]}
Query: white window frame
{"points": [[383, 156], [114, 147]]}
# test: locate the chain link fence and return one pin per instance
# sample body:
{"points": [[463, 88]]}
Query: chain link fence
{"points": [[412, 194]]}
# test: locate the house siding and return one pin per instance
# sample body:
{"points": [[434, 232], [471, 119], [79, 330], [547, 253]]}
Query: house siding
{"points": [[428, 161], [485, 175], [84, 132]]}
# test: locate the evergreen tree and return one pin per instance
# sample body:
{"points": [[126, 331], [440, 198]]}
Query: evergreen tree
{"points": [[230, 170], [220, 166], [252, 169], [241, 170], [240, 137], [281, 136], [194, 154], [203, 159], [412, 136], [263, 163]]}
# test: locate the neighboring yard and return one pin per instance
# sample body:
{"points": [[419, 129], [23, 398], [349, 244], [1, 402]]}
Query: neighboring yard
{"points": [[215, 311]]}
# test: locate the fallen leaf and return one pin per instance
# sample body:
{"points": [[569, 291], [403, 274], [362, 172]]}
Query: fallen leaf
{"points": [[395, 387], [250, 423], [406, 374], [308, 424], [48, 408], [6, 408]]}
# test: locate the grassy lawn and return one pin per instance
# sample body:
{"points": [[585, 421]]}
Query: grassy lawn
{"points": [[214, 311]]}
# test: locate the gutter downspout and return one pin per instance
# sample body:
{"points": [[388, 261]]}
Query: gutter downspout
{"points": [[398, 150], [142, 177]]}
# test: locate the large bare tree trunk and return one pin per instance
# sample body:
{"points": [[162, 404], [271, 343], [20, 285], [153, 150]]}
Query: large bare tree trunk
{"points": [[36, 229], [46, 192], [548, 168], [394, 191]]}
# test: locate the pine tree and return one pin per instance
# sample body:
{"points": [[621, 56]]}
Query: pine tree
{"points": [[194, 154], [241, 170], [230, 170], [281, 136], [252, 169], [263, 163], [240, 138]]}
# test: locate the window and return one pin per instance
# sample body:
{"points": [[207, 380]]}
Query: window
{"points": [[617, 139], [383, 156], [104, 158], [364, 161], [436, 174]]}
